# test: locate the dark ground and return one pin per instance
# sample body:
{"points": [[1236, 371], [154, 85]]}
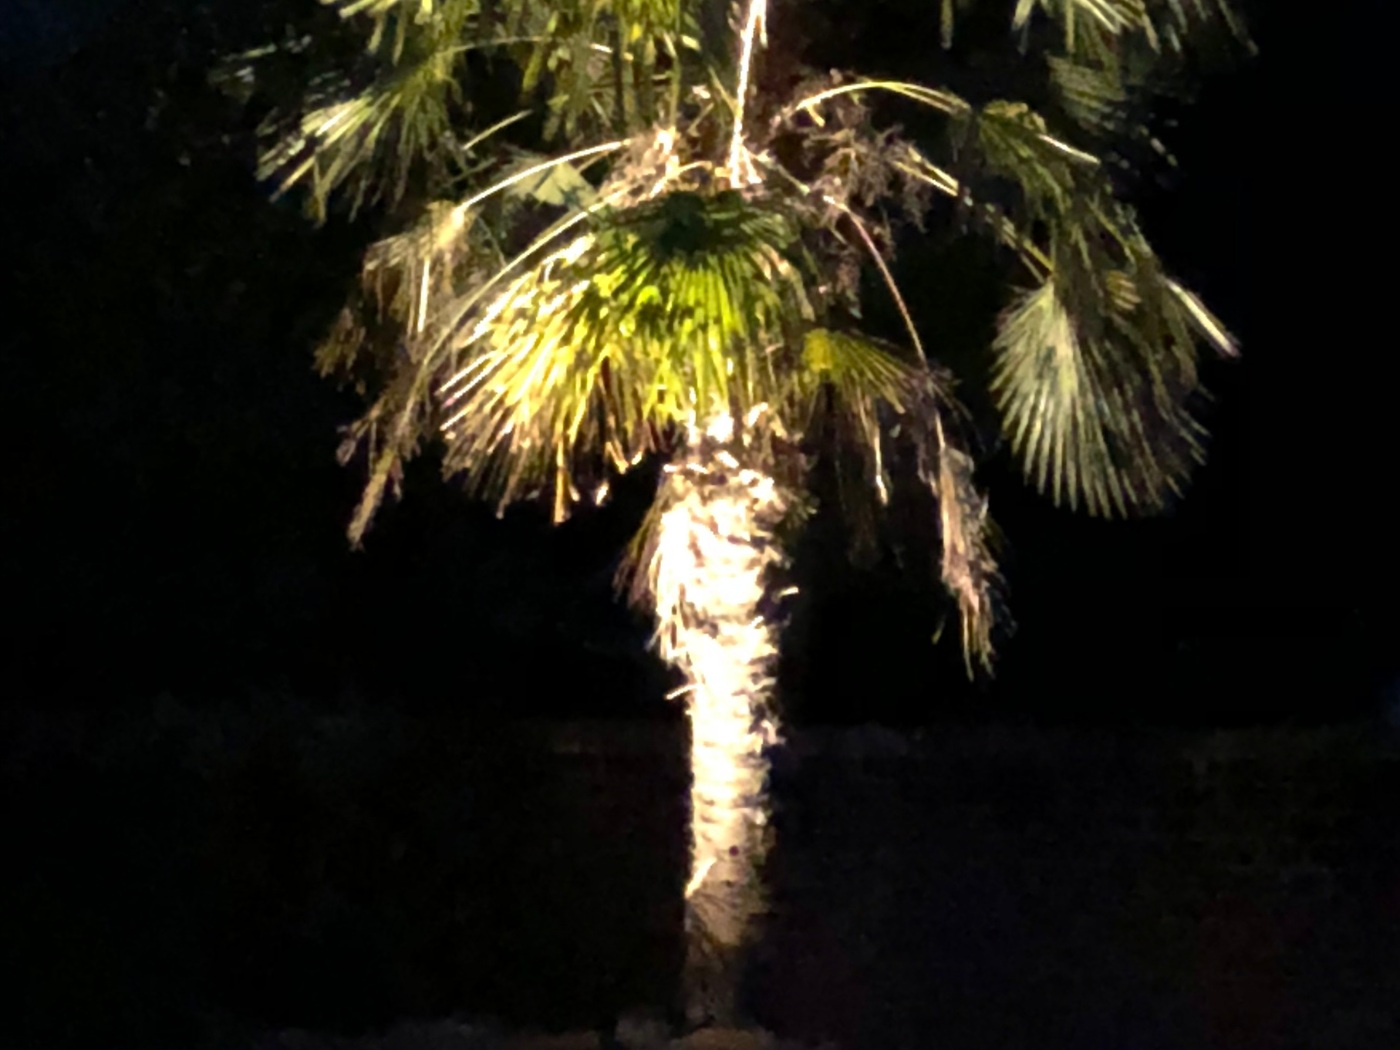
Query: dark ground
{"points": [[187, 880]]}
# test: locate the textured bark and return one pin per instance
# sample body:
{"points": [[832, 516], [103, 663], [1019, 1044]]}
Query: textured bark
{"points": [[709, 575], [729, 839]]}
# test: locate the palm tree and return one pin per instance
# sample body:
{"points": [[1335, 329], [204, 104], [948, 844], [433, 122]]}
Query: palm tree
{"points": [[659, 253]]}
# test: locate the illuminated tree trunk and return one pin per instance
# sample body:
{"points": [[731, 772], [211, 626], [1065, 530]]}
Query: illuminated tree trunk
{"points": [[709, 570]]}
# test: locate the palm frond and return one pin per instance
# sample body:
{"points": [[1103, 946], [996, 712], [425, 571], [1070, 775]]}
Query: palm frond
{"points": [[864, 386], [1112, 17], [1108, 58], [1104, 419], [1014, 143], [1096, 371], [914, 164], [1090, 26], [863, 368], [410, 274], [1095, 95], [403, 280], [428, 280], [1096, 395], [394, 20], [391, 432], [666, 313], [1117, 54], [936, 99], [968, 567], [368, 140], [879, 401], [607, 65], [949, 13]]}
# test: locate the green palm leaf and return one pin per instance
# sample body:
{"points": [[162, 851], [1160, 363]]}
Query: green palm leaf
{"points": [[667, 312], [1096, 367], [367, 140], [1096, 395]]}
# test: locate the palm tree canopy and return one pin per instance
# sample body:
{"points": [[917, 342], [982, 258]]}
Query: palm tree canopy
{"points": [[669, 245]]}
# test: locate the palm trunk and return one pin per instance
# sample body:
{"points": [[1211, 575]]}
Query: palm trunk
{"points": [[713, 550]]}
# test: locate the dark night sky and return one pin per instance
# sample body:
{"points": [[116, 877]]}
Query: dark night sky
{"points": [[174, 513]]}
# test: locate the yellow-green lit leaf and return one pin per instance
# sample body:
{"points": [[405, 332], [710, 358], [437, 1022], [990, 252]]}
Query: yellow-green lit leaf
{"points": [[656, 317]]}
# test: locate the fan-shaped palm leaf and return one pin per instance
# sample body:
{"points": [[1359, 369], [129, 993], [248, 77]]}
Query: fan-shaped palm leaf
{"points": [[1097, 367], [1096, 396], [665, 313]]}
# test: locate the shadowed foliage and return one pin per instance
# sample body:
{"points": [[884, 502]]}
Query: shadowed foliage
{"points": [[698, 246]]}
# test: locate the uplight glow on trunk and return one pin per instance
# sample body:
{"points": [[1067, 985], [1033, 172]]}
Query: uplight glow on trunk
{"points": [[710, 566]]}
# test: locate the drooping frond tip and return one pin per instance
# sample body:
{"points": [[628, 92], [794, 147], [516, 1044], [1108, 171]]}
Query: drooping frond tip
{"points": [[969, 568], [886, 404]]}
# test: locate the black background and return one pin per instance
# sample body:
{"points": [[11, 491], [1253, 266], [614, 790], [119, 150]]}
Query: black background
{"points": [[173, 512]]}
